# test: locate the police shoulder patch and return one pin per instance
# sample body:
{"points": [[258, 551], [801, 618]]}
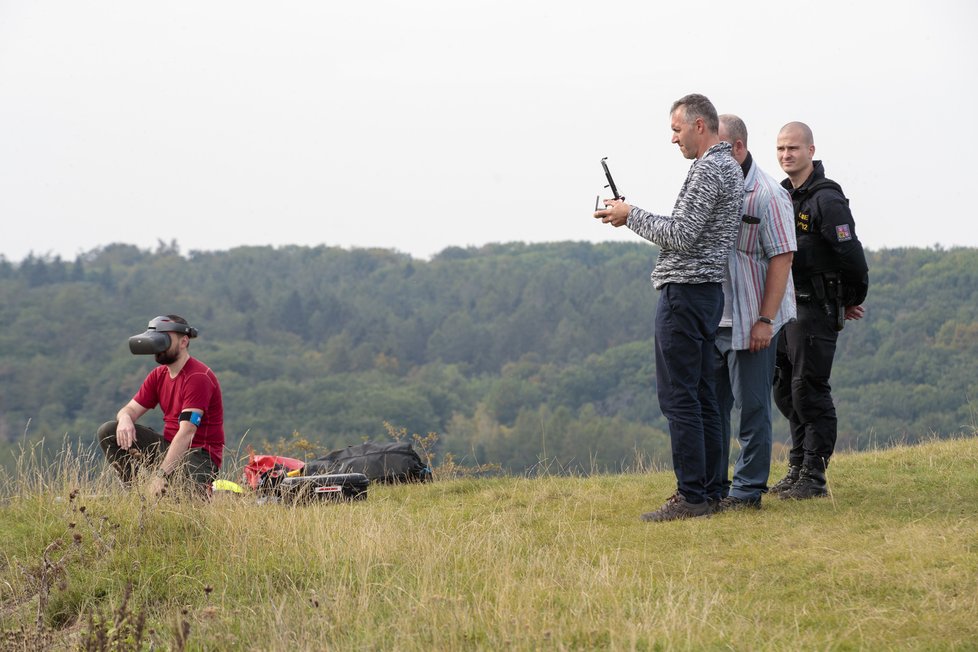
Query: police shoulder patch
{"points": [[843, 233]]}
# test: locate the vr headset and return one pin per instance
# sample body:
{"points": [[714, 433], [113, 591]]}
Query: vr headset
{"points": [[155, 339]]}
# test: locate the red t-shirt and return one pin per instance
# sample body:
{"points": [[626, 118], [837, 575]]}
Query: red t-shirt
{"points": [[195, 387]]}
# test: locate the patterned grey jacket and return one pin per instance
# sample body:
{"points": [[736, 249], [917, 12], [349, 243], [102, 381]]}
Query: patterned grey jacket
{"points": [[696, 239]]}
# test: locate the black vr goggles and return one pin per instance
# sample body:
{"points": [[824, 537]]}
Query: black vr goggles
{"points": [[155, 339]]}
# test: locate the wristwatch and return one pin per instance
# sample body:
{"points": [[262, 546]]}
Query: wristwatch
{"points": [[766, 320]]}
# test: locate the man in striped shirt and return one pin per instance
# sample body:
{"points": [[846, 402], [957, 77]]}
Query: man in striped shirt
{"points": [[694, 241], [759, 299]]}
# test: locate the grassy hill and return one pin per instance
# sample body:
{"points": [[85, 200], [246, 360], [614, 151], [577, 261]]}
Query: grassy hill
{"points": [[889, 561]]}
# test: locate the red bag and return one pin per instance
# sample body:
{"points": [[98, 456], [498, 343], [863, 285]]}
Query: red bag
{"points": [[265, 469]]}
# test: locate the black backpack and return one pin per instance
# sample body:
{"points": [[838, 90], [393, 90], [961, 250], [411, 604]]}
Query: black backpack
{"points": [[380, 462]]}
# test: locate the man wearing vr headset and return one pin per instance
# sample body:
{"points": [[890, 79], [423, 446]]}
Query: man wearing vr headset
{"points": [[189, 395]]}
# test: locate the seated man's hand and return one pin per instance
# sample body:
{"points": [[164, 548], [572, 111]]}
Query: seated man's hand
{"points": [[156, 488], [125, 433]]}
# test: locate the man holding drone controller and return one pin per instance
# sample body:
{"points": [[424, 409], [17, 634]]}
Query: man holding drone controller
{"points": [[189, 395], [695, 242]]}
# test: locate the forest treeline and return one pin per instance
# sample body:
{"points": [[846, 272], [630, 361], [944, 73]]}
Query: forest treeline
{"points": [[514, 354]]}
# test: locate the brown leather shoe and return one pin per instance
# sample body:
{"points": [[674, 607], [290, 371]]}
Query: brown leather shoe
{"points": [[678, 508]]}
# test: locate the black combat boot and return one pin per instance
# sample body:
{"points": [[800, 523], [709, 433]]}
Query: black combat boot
{"points": [[785, 483], [810, 484]]}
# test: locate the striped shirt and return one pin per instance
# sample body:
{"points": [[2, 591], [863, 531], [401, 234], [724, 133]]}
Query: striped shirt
{"points": [[696, 239], [756, 244]]}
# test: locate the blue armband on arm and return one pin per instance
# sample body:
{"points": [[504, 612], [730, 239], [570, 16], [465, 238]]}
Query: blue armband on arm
{"points": [[192, 417]]}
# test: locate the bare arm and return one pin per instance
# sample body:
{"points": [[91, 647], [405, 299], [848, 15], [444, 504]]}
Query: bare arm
{"points": [[778, 270], [174, 453], [125, 432], [178, 446]]}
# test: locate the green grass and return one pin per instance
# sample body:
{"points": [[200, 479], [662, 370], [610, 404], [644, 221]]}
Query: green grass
{"points": [[889, 561]]}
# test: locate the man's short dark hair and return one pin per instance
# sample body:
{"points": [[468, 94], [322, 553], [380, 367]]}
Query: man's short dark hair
{"points": [[180, 320], [698, 106]]}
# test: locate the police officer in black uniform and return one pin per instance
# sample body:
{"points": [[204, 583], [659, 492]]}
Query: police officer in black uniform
{"points": [[831, 280]]}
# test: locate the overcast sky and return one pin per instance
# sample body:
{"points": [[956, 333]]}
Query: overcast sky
{"points": [[420, 125]]}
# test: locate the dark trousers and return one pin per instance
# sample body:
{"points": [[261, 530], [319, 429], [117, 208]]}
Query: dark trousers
{"points": [[149, 450], [686, 323], [802, 392]]}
